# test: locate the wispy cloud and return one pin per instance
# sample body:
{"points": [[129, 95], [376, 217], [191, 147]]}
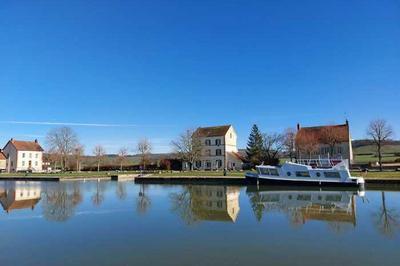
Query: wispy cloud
{"points": [[49, 123]]}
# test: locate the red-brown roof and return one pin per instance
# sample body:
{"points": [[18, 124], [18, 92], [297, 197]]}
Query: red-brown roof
{"points": [[2, 156], [238, 156], [26, 145], [212, 131], [19, 204], [320, 133]]}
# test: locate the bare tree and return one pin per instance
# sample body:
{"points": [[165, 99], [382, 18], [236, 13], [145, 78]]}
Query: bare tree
{"points": [[188, 147], [289, 142], [387, 220], [272, 146], [331, 137], [78, 154], [99, 153], [380, 131], [144, 149], [62, 141], [307, 143], [122, 154], [143, 201]]}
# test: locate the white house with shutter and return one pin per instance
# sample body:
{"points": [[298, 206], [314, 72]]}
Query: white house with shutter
{"points": [[218, 149], [23, 156]]}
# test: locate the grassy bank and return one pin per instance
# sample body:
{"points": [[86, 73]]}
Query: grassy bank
{"points": [[392, 175], [67, 175]]}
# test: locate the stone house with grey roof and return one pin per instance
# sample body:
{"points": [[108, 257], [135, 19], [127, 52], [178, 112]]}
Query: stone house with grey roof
{"points": [[218, 149]]}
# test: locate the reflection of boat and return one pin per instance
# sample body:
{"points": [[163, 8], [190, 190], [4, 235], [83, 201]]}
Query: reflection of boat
{"points": [[304, 205], [215, 203], [307, 172], [19, 195]]}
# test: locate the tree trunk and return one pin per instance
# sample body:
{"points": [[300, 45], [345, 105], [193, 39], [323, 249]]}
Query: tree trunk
{"points": [[121, 167], [98, 166], [380, 157]]}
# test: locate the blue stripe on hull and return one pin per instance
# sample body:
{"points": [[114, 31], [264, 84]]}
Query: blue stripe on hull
{"points": [[253, 180]]}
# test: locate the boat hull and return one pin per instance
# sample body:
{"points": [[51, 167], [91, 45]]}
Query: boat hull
{"points": [[279, 182]]}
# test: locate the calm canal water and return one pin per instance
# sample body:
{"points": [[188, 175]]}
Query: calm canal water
{"points": [[110, 223]]}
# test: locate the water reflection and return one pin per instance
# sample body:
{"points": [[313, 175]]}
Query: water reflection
{"points": [[19, 195], [213, 203], [387, 219], [206, 203], [60, 201], [336, 208], [143, 201]]}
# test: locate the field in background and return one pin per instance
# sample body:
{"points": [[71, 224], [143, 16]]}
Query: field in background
{"points": [[366, 154]]}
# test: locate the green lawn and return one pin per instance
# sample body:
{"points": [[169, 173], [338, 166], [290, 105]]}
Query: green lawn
{"points": [[378, 175], [386, 158], [67, 174]]}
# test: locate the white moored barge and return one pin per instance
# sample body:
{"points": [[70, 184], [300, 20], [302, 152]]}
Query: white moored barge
{"points": [[323, 172]]}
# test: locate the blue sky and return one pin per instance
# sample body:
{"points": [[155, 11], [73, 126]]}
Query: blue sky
{"points": [[118, 71]]}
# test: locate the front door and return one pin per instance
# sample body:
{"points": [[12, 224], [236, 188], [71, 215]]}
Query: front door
{"points": [[30, 165]]}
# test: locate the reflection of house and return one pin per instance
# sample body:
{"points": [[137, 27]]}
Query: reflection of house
{"points": [[218, 148], [23, 155], [3, 161], [19, 195], [327, 206], [332, 141], [215, 203]]}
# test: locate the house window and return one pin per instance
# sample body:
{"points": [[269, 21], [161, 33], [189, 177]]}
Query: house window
{"points": [[30, 155], [219, 204], [23, 163], [218, 152], [37, 155], [36, 163], [23, 155], [219, 194], [217, 142], [230, 135], [208, 152], [198, 164], [219, 163], [208, 164], [339, 150], [208, 142]]}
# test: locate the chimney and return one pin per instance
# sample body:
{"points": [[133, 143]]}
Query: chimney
{"points": [[298, 126], [11, 139], [36, 141], [347, 122]]}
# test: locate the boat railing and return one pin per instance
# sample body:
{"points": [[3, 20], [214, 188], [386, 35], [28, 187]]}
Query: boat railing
{"points": [[320, 163]]}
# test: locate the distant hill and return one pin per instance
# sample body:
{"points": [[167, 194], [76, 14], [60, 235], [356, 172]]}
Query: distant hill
{"points": [[364, 151], [367, 142]]}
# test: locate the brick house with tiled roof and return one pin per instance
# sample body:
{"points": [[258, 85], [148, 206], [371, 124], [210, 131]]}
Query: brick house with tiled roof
{"points": [[218, 149], [331, 141], [23, 156]]}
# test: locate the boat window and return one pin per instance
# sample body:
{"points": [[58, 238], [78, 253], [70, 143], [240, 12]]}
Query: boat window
{"points": [[289, 173], [318, 174], [334, 198], [302, 174], [273, 172], [332, 174], [271, 198], [304, 197], [264, 171]]}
